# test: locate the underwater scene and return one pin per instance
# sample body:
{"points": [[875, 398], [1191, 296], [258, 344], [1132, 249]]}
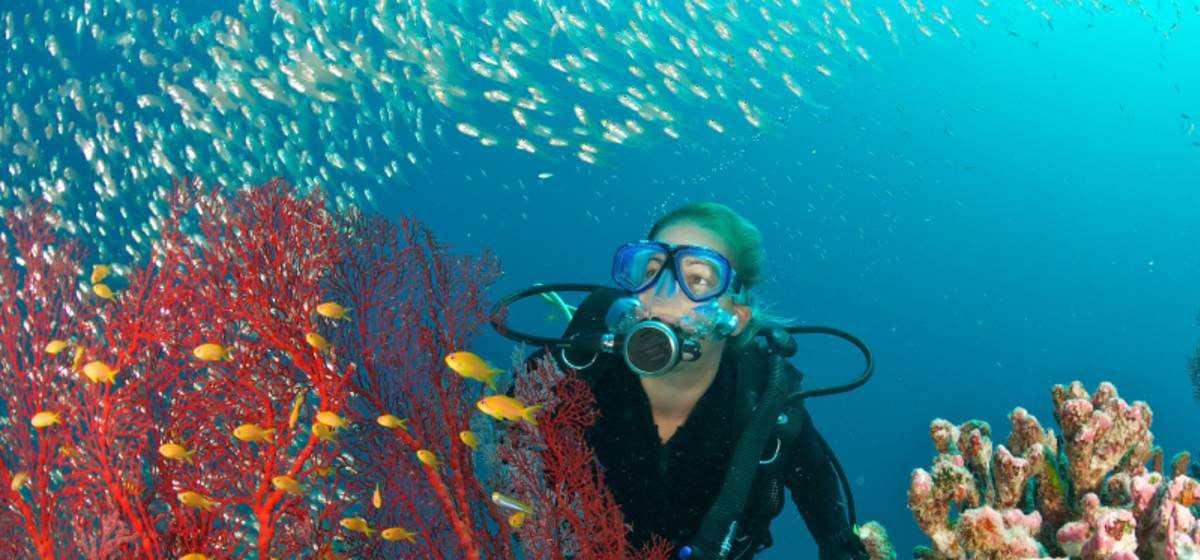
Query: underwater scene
{"points": [[600, 279]]}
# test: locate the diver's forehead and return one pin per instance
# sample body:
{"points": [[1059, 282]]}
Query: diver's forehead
{"points": [[686, 234]]}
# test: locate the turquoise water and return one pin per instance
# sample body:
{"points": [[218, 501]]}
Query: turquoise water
{"points": [[993, 213]]}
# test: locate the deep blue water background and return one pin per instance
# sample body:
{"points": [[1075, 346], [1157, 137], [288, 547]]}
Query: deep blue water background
{"points": [[992, 216]]}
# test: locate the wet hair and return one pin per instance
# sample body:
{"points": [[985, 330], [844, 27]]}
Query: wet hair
{"points": [[746, 254]]}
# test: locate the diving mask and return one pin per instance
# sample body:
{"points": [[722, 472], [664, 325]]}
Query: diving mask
{"points": [[703, 273]]}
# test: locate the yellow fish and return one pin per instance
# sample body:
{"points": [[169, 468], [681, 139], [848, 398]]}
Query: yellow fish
{"points": [[176, 452], [252, 432], [78, 359], [516, 520], [468, 438], [99, 371], [18, 480], [295, 414], [196, 500], [316, 341], [332, 310], [44, 419], [323, 471], [194, 556], [357, 524], [504, 407], [103, 291], [331, 419], [469, 365], [428, 457], [55, 346], [398, 533], [391, 422], [323, 432], [377, 498], [100, 272], [286, 484], [211, 352]]}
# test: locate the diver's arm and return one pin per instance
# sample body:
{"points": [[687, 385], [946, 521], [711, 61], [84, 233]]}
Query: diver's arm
{"points": [[815, 489]]}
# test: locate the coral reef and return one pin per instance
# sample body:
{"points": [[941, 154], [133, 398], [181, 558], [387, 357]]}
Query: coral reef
{"points": [[552, 468], [1097, 491], [268, 384]]}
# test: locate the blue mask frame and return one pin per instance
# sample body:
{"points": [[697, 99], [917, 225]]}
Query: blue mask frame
{"points": [[673, 256]]}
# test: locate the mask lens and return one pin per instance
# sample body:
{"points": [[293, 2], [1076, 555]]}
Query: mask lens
{"points": [[636, 266], [702, 276]]}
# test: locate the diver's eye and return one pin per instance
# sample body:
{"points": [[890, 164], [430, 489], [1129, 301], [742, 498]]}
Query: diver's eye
{"points": [[652, 268]]}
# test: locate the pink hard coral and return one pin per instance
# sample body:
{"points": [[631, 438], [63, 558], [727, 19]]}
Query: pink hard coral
{"points": [[1088, 494]]}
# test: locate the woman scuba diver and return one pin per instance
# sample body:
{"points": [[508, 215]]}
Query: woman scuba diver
{"points": [[701, 427]]}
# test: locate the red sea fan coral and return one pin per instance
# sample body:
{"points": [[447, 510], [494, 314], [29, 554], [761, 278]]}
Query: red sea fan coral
{"points": [[253, 274], [551, 468], [209, 401], [413, 302], [39, 302]]}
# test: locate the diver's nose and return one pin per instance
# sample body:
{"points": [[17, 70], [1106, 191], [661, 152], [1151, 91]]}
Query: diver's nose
{"points": [[666, 286], [666, 300]]}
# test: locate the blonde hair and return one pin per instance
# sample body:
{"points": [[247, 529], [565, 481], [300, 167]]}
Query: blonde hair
{"points": [[746, 255]]}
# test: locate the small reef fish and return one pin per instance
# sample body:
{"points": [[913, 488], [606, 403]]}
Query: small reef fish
{"points": [[286, 484], [100, 272], [45, 419], [103, 291], [331, 310], [316, 341], [211, 352], [78, 359], [391, 422], [295, 413], [398, 533], [99, 371], [358, 525], [55, 346], [516, 520], [504, 407], [19, 480], [469, 439], [468, 365], [252, 432], [195, 556], [377, 498], [510, 503], [331, 419], [196, 500], [323, 432], [176, 452], [428, 457]]}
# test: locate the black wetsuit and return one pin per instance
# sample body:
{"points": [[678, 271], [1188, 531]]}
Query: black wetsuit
{"points": [[666, 488]]}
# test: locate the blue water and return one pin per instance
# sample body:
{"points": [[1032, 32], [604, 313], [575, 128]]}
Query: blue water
{"points": [[1032, 219], [993, 215]]}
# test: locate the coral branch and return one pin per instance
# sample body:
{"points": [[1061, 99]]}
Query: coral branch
{"points": [[1106, 444]]}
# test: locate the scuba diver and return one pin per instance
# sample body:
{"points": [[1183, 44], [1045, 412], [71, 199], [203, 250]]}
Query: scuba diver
{"points": [[701, 426]]}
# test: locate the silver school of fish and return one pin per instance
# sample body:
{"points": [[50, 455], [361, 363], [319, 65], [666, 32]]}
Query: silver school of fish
{"points": [[106, 102]]}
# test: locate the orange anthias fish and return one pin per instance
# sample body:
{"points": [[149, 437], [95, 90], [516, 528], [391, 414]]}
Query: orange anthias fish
{"points": [[468, 365], [45, 418], [504, 407], [253, 432], [99, 372]]}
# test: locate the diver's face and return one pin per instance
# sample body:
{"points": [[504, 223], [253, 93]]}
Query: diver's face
{"points": [[665, 299]]}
